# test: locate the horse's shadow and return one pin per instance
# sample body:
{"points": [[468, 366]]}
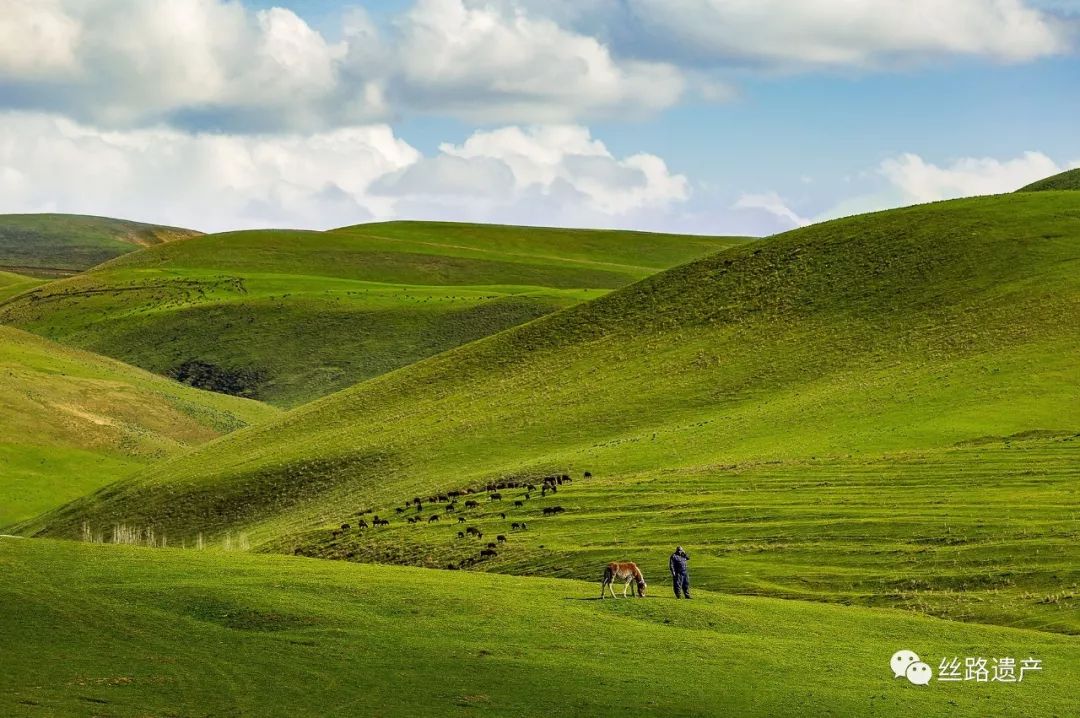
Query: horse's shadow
{"points": [[596, 598]]}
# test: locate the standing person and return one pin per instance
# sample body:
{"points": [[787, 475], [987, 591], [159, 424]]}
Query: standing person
{"points": [[680, 572]]}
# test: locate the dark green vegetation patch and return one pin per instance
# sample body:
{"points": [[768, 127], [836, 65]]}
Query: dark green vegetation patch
{"points": [[1069, 180]]}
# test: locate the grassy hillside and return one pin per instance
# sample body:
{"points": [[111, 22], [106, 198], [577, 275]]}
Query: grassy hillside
{"points": [[12, 284], [50, 245], [880, 409], [1069, 180], [118, 631], [71, 422], [297, 315]]}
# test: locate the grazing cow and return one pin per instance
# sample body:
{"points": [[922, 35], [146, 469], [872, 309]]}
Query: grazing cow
{"points": [[472, 530], [434, 517], [565, 477], [502, 516], [454, 494], [626, 571], [361, 524], [345, 527], [587, 474], [531, 487], [500, 538], [379, 522], [525, 527], [451, 567], [450, 508], [416, 500], [515, 526], [553, 510], [399, 510], [461, 534], [461, 519], [495, 497], [479, 535], [491, 544], [519, 503], [470, 504], [489, 552], [567, 480]]}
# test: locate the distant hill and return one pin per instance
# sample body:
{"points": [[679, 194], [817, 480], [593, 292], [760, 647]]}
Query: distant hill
{"points": [[1069, 180], [71, 422], [289, 316], [884, 406], [56, 245]]}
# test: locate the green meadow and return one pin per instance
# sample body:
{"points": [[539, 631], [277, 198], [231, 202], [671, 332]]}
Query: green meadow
{"points": [[121, 631], [71, 422], [57, 245], [880, 410], [297, 315], [12, 284], [1069, 180]]}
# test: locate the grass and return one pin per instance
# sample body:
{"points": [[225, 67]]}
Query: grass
{"points": [[1069, 180], [12, 284], [826, 391], [297, 315], [71, 422], [120, 631], [51, 245]]}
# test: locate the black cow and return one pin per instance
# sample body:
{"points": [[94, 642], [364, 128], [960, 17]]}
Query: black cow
{"points": [[361, 524], [470, 504], [515, 526], [472, 530], [461, 534], [519, 503], [345, 527], [491, 544], [461, 519], [489, 552], [495, 497], [434, 517], [500, 538], [587, 474]]}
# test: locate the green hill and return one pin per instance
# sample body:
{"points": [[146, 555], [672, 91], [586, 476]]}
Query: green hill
{"points": [[12, 284], [71, 422], [51, 245], [121, 631], [1069, 180], [297, 315], [879, 410]]}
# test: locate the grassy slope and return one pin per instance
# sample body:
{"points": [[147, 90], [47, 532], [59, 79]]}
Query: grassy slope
{"points": [[1069, 180], [71, 422], [50, 245], [308, 313], [117, 631], [12, 284], [770, 378]]}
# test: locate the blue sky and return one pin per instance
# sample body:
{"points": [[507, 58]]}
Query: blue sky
{"points": [[709, 116]]}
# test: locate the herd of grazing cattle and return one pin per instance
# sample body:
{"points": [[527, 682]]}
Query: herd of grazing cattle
{"points": [[451, 503]]}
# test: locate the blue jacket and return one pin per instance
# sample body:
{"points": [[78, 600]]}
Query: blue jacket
{"points": [[677, 564]]}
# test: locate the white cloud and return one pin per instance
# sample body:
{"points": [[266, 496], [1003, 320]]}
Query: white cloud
{"points": [[483, 60], [216, 63], [773, 204], [920, 181], [810, 34], [537, 175], [540, 175]]}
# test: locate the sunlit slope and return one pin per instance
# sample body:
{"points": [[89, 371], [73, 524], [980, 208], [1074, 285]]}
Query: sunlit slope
{"points": [[1069, 180], [71, 422], [12, 284], [859, 344], [117, 631], [49, 245], [297, 315]]}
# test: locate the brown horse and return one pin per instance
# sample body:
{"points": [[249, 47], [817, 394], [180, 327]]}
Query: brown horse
{"points": [[625, 571]]}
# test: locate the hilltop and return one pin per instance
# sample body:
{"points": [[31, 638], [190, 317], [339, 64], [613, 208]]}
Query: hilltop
{"points": [[866, 352], [52, 245], [71, 422], [121, 631], [297, 315], [1069, 180]]}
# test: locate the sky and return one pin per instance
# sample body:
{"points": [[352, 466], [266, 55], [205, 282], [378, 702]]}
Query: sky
{"points": [[703, 116]]}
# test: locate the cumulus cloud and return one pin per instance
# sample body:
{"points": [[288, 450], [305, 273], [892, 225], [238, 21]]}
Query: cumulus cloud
{"points": [[539, 175], [215, 63], [811, 34], [921, 181]]}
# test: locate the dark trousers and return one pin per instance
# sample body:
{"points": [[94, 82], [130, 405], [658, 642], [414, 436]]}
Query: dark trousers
{"points": [[681, 582]]}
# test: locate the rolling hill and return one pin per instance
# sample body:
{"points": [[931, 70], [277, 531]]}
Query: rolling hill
{"points": [[56, 245], [288, 316], [121, 631], [71, 422], [879, 410], [1069, 180], [12, 284]]}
